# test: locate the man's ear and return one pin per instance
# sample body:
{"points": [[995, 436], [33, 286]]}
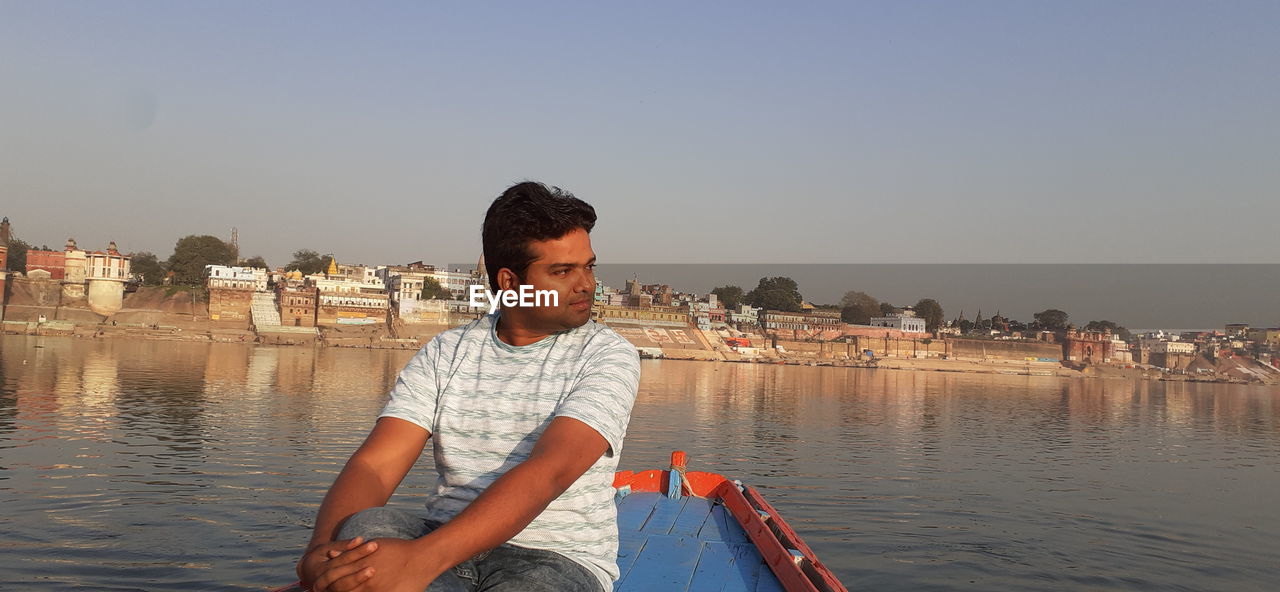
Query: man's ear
{"points": [[507, 279]]}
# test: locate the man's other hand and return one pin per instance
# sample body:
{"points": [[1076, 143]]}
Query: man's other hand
{"points": [[389, 565], [315, 559]]}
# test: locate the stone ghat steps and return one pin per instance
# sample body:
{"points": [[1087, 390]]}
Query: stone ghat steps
{"points": [[264, 310]]}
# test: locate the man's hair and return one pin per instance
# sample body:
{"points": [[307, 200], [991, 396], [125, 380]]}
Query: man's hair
{"points": [[524, 213]]}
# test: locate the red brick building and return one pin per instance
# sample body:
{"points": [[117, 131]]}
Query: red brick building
{"points": [[54, 262], [297, 306]]}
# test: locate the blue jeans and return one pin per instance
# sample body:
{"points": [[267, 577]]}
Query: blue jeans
{"points": [[506, 568]]}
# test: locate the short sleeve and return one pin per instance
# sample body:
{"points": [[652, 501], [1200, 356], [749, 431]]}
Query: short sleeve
{"points": [[605, 393], [416, 393]]}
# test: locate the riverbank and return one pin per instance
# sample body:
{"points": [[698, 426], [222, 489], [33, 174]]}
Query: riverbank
{"points": [[412, 337]]}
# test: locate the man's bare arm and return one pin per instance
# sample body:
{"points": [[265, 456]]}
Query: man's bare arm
{"points": [[368, 480], [564, 451]]}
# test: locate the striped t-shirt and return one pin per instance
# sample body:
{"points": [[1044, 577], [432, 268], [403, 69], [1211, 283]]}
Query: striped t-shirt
{"points": [[485, 403]]}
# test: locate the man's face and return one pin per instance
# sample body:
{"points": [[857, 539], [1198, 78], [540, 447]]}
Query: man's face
{"points": [[567, 266]]}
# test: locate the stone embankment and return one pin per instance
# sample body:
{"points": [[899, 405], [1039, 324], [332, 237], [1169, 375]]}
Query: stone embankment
{"points": [[41, 308]]}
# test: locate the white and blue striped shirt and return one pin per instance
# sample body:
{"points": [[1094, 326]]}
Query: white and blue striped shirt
{"points": [[485, 403]]}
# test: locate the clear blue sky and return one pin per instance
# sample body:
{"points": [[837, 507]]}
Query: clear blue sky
{"points": [[730, 132]]}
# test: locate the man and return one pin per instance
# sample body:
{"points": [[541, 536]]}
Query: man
{"points": [[526, 410]]}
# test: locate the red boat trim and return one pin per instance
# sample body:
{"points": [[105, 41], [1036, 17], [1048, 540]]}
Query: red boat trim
{"points": [[773, 537]]}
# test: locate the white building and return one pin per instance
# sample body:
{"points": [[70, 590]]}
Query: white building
{"points": [[236, 278], [904, 323], [1173, 347], [458, 282]]}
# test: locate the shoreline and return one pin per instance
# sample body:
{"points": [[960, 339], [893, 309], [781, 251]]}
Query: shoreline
{"points": [[197, 332]]}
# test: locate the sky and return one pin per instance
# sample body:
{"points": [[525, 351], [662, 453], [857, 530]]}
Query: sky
{"points": [[1081, 132]]}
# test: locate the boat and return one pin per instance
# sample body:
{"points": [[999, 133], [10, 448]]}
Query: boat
{"points": [[692, 531]]}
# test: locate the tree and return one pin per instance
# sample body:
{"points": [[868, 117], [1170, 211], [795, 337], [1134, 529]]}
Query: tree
{"points": [[192, 253], [256, 261], [1104, 325], [966, 326], [308, 262], [730, 296], [887, 309], [432, 290], [929, 310], [858, 308], [17, 255], [147, 268], [1051, 320], [776, 293]]}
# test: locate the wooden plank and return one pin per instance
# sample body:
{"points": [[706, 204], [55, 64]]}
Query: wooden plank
{"points": [[768, 582], [726, 568], [634, 510], [630, 544], [664, 515], [691, 518], [665, 563], [722, 526]]}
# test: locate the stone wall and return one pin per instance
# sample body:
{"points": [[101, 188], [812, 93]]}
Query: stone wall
{"points": [[331, 316], [230, 304], [982, 349], [29, 299]]}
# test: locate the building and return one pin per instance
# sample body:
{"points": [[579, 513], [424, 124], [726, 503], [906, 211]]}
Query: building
{"points": [[236, 278], [52, 262], [75, 264], [297, 304], [1237, 329], [907, 323], [458, 282], [231, 292], [1171, 354], [352, 308], [106, 271], [1268, 338], [744, 315], [342, 299], [674, 316], [1089, 347]]}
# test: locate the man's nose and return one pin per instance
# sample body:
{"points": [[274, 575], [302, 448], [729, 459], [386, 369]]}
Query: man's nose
{"points": [[587, 281]]}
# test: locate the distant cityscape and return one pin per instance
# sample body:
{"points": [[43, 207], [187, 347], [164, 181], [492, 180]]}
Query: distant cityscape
{"points": [[99, 293]]}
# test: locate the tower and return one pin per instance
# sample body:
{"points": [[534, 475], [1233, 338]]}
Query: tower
{"points": [[235, 244], [5, 233]]}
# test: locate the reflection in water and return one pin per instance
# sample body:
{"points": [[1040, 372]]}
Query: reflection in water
{"points": [[120, 455]]}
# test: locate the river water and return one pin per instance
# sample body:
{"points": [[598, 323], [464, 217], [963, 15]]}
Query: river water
{"points": [[150, 465]]}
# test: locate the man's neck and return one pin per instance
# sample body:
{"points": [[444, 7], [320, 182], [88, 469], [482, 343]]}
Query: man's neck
{"points": [[511, 332]]}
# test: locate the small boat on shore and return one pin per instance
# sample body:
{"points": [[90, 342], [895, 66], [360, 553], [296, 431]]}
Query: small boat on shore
{"points": [[681, 530]]}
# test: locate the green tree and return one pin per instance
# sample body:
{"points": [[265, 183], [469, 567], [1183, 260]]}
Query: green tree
{"points": [[730, 296], [887, 309], [1051, 320], [1104, 325], [255, 261], [147, 268], [966, 326], [776, 293], [192, 253], [929, 310], [858, 307], [308, 262], [17, 255], [432, 290]]}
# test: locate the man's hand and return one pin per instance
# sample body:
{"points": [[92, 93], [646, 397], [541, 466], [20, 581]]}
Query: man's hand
{"points": [[316, 558], [389, 565]]}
